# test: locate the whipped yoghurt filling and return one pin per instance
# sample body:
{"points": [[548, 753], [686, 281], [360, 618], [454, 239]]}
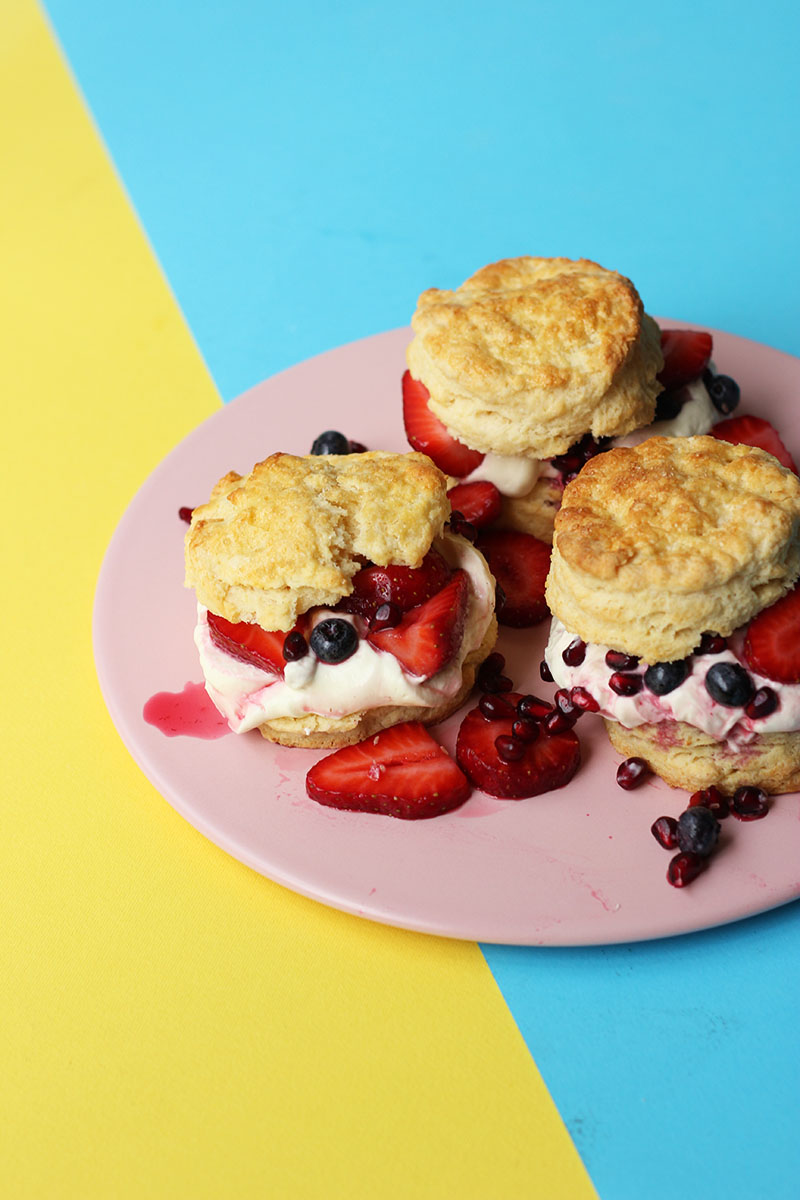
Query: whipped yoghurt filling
{"points": [[247, 696], [690, 702]]}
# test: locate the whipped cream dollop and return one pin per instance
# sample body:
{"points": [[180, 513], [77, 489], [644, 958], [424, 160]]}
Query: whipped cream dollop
{"points": [[690, 702], [247, 696]]}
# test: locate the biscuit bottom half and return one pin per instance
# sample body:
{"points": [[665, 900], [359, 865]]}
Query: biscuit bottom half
{"points": [[315, 732], [685, 757]]}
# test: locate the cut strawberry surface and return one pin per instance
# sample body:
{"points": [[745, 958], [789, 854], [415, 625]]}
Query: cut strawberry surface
{"points": [[427, 434], [519, 563], [542, 765], [772, 643], [428, 636], [406, 587], [400, 772], [479, 502], [687, 353], [250, 643], [754, 431]]}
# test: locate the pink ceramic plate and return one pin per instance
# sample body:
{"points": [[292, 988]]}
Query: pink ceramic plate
{"points": [[577, 866]]}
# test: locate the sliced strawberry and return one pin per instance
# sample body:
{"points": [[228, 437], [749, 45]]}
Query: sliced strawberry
{"points": [[427, 434], [429, 635], [687, 353], [772, 643], [400, 772], [541, 765], [754, 431], [519, 563], [406, 587], [479, 503], [250, 643]]}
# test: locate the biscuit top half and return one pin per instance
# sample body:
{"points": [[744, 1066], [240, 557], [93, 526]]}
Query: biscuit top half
{"points": [[532, 353], [290, 535], [658, 544]]}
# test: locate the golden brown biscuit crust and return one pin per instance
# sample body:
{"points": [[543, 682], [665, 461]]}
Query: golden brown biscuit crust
{"points": [[531, 353], [290, 535], [657, 544]]}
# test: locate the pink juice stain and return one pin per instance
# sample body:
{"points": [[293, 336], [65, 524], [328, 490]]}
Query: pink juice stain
{"points": [[189, 713]]}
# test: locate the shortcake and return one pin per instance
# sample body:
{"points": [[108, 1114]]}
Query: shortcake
{"points": [[676, 611], [333, 599]]}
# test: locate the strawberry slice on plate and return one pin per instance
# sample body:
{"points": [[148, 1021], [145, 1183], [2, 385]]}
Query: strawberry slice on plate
{"points": [[687, 353], [429, 635], [519, 563], [405, 587], [547, 762], [427, 434], [754, 431], [250, 643], [400, 772], [479, 502], [772, 643]]}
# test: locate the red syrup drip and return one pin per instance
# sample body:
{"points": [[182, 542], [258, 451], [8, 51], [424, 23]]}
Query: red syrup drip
{"points": [[189, 713]]}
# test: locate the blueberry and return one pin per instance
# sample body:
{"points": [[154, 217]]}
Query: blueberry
{"points": [[729, 684], [334, 640], [723, 390], [698, 830], [668, 405], [331, 442], [663, 677]]}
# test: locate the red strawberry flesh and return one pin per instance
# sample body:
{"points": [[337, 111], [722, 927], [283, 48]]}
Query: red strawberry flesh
{"points": [[687, 353], [250, 643], [519, 563], [479, 503], [428, 636], [405, 587], [426, 433], [754, 431], [772, 642], [400, 772]]}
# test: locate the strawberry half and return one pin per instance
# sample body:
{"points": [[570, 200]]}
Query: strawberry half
{"points": [[519, 563], [754, 431], [547, 763], [405, 587], [250, 643], [400, 772], [772, 643], [429, 635], [479, 503], [427, 434], [687, 353]]}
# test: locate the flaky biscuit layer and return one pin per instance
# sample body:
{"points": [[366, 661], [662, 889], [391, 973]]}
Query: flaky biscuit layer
{"points": [[532, 353], [657, 544], [290, 535]]}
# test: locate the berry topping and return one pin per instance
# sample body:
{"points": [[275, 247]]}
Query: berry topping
{"points": [[464, 528], [295, 646], [333, 640], [574, 654], [400, 772], [763, 704], [698, 830], [496, 708], [723, 390], [729, 684], [566, 705], [625, 685], [426, 433], [525, 729], [583, 699], [429, 635], [665, 831], [185, 514], [331, 442], [712, 799], [632, 773], [357, 447], [686, 355], [509, 749], [533, 708], [558, 721], [544, 764], [570, 463], [545, 673], [662, 678], [519, 563], [772, 643], [479, 503], [250, 643], [685, 867], [712, 643], [754, 431], [405, 587], [619, 661], [490, 677], [670, 403], [386, 616], [749, 804]]}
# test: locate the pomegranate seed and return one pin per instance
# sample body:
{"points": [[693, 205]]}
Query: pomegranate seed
{"points": [[386, 616], [357, 447], [749, 804], [583, 699], [564, 703], [558, 722], [712, 799], [712, 643], [621, 661], [185, 514], [460, 525], [534, 708], [493, 664], [685, 867], [764, 702], [295, 646], [625, 685], [575, 652], [508, 748], [665, 831], [544, 672], [525, 730], [632, 773], [495, 708]]}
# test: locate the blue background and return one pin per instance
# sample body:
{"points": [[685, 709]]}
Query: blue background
{"points": [[302, 174]]}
